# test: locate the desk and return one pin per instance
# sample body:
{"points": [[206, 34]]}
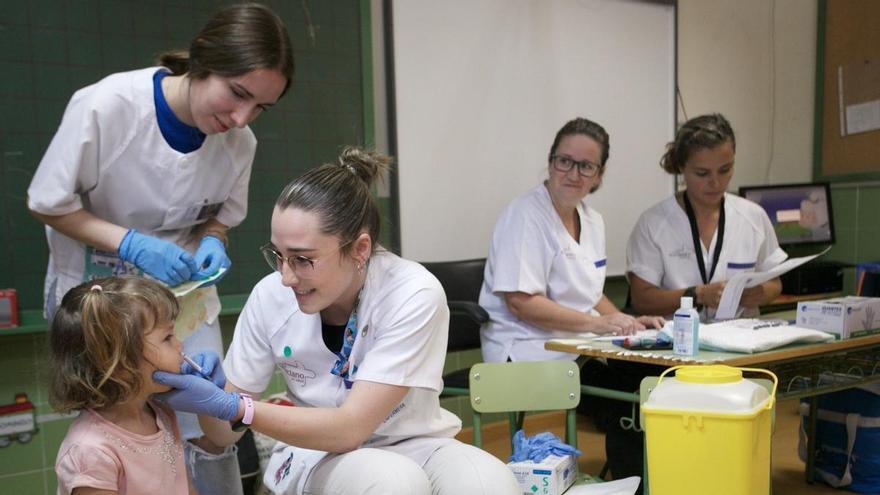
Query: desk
{"points": [[798, 368]]}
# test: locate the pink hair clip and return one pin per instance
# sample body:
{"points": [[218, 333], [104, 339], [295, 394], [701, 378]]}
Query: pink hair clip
{"points": [[97, 288]]}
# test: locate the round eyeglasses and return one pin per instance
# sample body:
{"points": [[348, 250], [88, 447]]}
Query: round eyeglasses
{"points": [[302, 266], [564, 163]]}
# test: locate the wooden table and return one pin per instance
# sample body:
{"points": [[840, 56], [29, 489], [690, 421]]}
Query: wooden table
{"points": [[854, 361]]}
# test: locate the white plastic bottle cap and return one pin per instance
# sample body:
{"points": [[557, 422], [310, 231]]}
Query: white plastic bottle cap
{"points": [[687, 303]]}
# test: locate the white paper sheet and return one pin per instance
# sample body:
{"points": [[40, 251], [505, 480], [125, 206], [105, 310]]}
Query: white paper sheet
{"points": [[741, 281], [626, 486], [189, 286], [863, 117]]}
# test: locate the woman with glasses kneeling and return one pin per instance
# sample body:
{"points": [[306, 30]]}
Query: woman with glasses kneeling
{"points": [[359, 335], [545, 273]]}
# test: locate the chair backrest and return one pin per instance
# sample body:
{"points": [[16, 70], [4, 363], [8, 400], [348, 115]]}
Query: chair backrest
{"points": [[869, 284], [461, 280], [517, 387], [525, 386]]}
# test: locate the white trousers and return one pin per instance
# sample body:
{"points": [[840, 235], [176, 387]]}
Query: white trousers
{"points": [[453, 469]]}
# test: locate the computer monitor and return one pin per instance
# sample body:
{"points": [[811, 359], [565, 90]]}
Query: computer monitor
{"points": [[800, 213]]}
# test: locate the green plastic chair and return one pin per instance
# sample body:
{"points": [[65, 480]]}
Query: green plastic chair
{"points": [[527, 386]]}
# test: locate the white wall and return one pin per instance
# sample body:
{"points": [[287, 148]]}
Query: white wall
{"points": [[481, 96], [754, 61], [726, 49]]}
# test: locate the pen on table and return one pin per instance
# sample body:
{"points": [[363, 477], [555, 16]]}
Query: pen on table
{"points": [[635, 341], [770, 324], [192, 363]]}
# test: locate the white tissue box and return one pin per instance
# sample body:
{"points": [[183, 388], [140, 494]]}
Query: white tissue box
{"points": [[844, 317], [552, 476]]}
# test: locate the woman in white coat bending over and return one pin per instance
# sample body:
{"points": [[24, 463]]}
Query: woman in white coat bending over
{"points": [[359, 335], [149, 168], [693, 242], [545, 273]]}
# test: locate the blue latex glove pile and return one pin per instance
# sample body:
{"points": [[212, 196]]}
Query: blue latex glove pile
{"points": [[199, 393], [170, 263], [537, 447]]}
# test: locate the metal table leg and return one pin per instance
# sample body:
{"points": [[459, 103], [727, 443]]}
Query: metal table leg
{"points": [[811, 439]]}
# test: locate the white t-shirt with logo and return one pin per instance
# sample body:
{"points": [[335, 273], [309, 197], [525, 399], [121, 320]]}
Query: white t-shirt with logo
{"points": [[403, 323], [661, 248]]}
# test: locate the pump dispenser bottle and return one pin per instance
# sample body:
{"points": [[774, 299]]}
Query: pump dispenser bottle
{"points": [[686, 329]]}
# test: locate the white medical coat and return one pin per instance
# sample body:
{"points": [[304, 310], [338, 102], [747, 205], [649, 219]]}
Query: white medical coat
{"points": [[403, 325], [661, 247], [109, 158], [532, 252]]}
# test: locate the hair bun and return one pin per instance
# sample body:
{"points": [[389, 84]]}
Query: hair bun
{"points": [[365, 164]]}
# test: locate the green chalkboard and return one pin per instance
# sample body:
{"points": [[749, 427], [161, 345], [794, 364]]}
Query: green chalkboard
{"points": [[53, 47]]}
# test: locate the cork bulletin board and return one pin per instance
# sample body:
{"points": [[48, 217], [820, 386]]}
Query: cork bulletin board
{"points": [[847, 134]]}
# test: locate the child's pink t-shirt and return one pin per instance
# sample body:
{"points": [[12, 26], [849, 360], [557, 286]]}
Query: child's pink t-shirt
{"points": [[96, 453]]}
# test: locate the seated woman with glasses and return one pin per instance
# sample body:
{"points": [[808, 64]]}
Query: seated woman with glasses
{"points": [[359, 336], [545, 273]]}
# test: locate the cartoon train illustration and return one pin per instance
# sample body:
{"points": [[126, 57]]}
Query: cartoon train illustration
{"points": [[18, 421]]}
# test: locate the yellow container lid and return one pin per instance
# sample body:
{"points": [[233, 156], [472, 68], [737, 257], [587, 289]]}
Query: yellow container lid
{"points": [[713, 373]]}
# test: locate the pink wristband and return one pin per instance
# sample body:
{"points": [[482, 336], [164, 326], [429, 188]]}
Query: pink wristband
{"points": [[248, 417]]}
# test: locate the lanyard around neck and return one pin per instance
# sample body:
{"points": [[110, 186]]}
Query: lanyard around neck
{"points": [[343, 368], [698, 245]]}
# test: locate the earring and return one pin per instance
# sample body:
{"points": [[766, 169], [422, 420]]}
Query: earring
{"points": [[360, 266]]}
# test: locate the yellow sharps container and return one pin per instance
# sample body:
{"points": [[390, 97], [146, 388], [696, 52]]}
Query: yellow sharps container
{"points": [[708, 431]]}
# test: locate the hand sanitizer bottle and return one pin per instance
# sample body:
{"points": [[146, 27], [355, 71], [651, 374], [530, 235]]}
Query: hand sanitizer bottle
{"points": [[686, 329]]}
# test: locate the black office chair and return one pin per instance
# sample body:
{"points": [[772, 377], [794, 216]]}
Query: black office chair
{"points": [[462, 281], [869, 284]]}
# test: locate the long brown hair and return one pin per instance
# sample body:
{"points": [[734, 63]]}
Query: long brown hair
{"points": [[236, 40]]}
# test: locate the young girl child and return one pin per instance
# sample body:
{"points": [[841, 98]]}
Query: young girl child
{"points": [[107, 338]]}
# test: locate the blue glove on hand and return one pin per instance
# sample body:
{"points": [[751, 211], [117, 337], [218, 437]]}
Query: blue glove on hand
{"points": [[210, 257], [538, 447], [197, 395], [209, 361], [160, 259]]}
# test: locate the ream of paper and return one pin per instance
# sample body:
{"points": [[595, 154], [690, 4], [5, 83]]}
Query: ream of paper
{"points": [[863, 117], [741, 281]]}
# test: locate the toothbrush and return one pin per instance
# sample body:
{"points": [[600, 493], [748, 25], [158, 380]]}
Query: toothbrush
{"points": [[193, 364]]}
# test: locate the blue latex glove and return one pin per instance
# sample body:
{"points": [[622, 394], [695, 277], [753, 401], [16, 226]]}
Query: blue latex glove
{"points": [[160, 259], [539, 447], [210, 257], [209, 361], [197, 395]]}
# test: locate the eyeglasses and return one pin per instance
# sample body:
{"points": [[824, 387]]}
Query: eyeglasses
{"points": [[563, 163], [302, 266]]}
